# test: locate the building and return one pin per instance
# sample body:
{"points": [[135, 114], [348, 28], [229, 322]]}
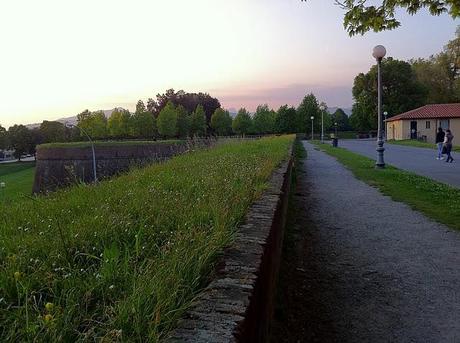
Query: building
{"points": [[423, 122], [6, 155]]}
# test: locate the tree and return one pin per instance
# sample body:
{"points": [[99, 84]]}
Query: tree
{"points": [[286, 120], [3, 138], [242, 124], [341, 118], [52, 131], [183, 122], [198, 122], [119, 123], [221, 122], [309, 107], [401, 92], [140, 107], [94, 123], [20, 140], [143, 125], [167, 121], [264, 119], [364, 15]]}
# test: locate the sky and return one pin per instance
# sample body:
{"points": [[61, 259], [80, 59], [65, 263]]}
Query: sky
{"points": [[59, 58]]}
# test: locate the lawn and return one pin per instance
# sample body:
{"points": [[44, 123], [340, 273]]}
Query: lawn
{"points": [[436, 200], [418, 144], [18, 178], [123, 259]]}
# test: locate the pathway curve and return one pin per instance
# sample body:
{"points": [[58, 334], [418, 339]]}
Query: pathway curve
{"points": [[359, 267], [421, 161]]}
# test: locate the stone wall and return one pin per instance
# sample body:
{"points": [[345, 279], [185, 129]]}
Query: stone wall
{"points": [[62, 166], [238, 304]]}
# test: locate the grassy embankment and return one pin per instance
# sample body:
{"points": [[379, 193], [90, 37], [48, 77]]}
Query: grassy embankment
{"points": [[418, 144], [18, 178], [436, 200], [122, 260], [86, 144]]}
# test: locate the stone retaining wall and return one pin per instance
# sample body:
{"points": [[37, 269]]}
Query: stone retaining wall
{"points": [[62, 166], [238, 304]]}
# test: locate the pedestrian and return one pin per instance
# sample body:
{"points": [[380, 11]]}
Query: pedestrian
{"points": [[440, 142], [448, 144]]}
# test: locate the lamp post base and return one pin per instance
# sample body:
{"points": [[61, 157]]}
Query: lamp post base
{"points": [[380, 163]]}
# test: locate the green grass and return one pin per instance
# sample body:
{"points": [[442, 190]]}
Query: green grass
{"points": [[436, 200], [86, 144], [122, 260], [419, 144], [18, 178]]}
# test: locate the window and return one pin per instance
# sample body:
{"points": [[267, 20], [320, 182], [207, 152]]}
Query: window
{"points": [[428, 124], [444, 123]]}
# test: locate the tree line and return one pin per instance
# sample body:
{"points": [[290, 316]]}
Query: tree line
{"points": [[407, 85]]}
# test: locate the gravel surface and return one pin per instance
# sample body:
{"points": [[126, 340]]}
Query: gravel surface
{"points": [[359, 267], [421, 161]]}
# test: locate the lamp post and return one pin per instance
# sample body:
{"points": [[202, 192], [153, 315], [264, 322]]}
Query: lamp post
{"points": [[335, 124], [322, 107], [385, 114], [312, 126], [92, 147], [379, 53]]}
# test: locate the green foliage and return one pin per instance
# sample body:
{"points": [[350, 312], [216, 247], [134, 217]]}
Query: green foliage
{"points": [[21, 139], [264, 119], [286, 120], [119, 123], [401, 91], [198, 122], [436, 200], [364, 15], [308, 107], [140, 107], [143, 125], [3, 138], [94, 123], [122, 260], [342, 120], [221, 122], [183, 122], [242, 124], [167, 121], [52, 131]]}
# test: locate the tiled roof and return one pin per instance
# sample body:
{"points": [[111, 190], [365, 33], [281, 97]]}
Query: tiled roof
{"points": [[431, 112]]}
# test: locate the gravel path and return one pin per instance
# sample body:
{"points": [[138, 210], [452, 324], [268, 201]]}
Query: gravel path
{"points": [[421, 161], [363, 268]]}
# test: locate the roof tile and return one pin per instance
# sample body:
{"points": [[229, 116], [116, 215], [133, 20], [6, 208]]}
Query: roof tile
{"points": [[430, 112]]}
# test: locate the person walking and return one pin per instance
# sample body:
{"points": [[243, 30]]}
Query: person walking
{"points": [[448, 144], [440, 142]]}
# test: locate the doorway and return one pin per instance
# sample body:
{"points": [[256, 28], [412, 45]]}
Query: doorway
{"points": [[413, 130]]}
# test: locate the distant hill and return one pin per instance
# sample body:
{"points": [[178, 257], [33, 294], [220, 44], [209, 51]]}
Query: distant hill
{"points": [[73, 119]]}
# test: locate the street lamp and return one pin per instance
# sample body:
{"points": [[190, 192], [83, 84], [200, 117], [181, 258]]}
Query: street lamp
{"points": [[385, 114], [322, 107], [335, 124], [92, 147], [312, 126], [379, 53]]}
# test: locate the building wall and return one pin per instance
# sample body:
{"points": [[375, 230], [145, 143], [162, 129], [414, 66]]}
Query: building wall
{"points": [[400, 129]]}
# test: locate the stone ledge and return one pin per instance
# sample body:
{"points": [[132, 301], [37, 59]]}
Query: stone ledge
{"points": [[238, 304]]}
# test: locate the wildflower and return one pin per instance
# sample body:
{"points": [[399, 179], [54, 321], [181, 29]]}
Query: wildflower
{"points": [[111, 286], [17, 276], [48, 318], [49, 307]]}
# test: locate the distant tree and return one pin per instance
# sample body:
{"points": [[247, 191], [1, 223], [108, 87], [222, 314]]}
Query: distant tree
{"points": [[183, 122], [35, 138], [3, 138], [221, 122], [264, 119], [308, 107], [242, 124], [52, 131], [364, 15], [119, 123], [140, 107], [198, 122], [167, 121], [20, 139], [286, 120], [401, 91], [341, 118], [143, 125], [94, 123]]}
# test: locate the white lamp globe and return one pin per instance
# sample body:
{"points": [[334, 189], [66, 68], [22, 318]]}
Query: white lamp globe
{"points": [[312, 117], [379, 52]]}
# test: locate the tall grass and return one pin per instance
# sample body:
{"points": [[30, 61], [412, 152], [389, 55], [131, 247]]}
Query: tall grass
{"points": [[120, 261]]}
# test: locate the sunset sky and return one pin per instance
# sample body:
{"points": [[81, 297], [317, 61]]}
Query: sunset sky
{"points": [[61, 57]]}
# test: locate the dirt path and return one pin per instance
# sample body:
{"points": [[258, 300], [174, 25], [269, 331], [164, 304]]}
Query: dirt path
{"points": [[359, 267]]}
